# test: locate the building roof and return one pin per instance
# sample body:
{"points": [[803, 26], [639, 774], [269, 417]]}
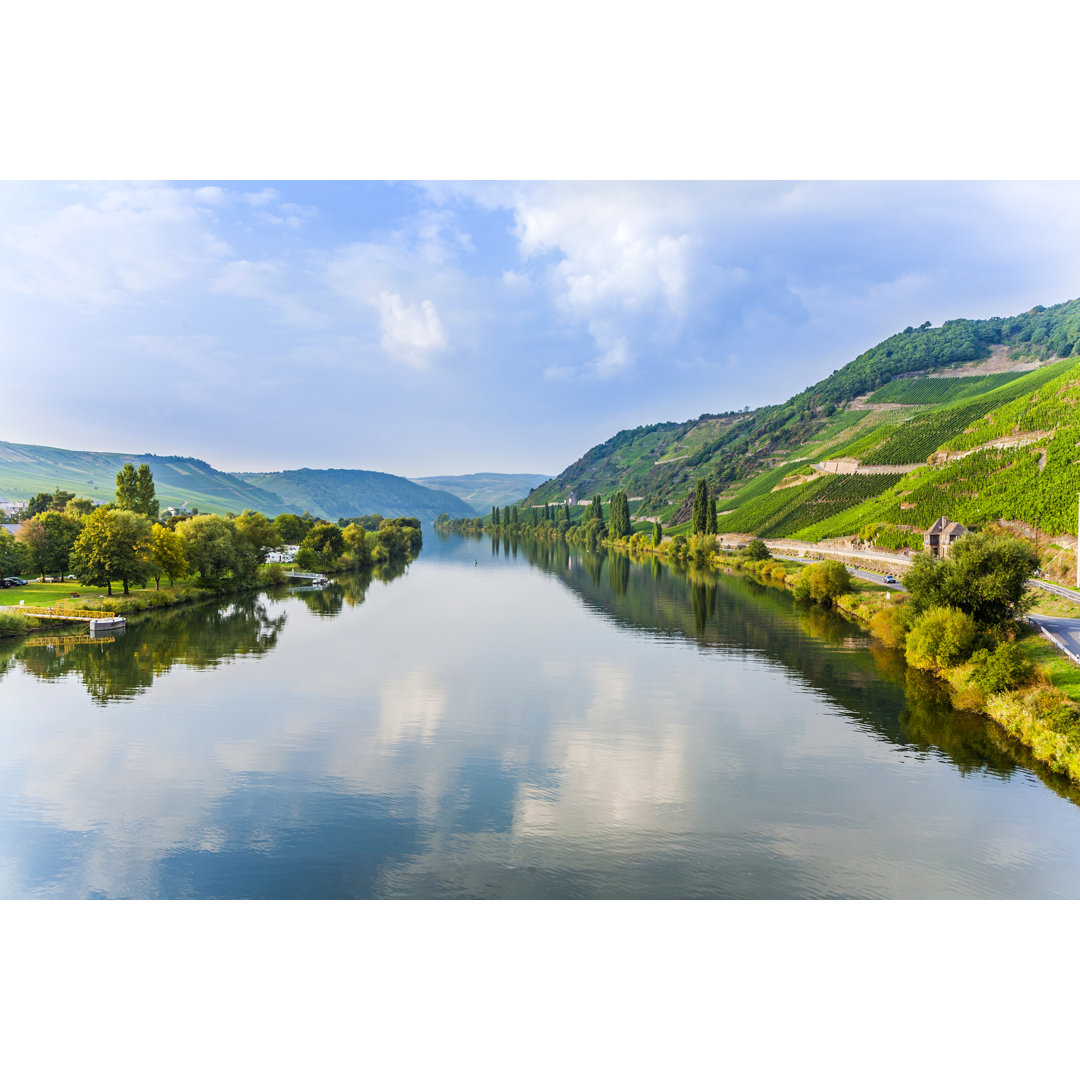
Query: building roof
{"points": [[944, 527]]}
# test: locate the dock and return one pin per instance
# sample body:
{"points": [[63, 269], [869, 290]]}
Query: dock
{"points": [[99, 621]]}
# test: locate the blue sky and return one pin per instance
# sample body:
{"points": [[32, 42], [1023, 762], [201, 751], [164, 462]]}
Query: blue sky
{"points": [[457, 327]]}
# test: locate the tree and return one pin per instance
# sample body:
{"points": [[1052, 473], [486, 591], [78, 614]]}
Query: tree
{"points": [[135, 491], [619, 524], [985, 576], [47, 540], [10, 555], [710, 517], [514, 517], [699, 517], [356, 542], [259, 531], [291, 528], [113, 545], [326, 543], [756, 550], [657, 533], [165, 554], [41, 502], [495, 516], [210, 547]]}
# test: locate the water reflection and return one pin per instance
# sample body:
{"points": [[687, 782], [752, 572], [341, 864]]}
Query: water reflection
{"points": [[501, 725]]}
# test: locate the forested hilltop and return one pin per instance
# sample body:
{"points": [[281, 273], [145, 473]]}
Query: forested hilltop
{"points": [[975, 419]]}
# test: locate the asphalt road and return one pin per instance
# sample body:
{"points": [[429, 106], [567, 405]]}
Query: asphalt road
{"points": [[866, 575], [1064, 632]]}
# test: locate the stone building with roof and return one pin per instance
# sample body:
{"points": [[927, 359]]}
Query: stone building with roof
{"points": [[940, 537]]}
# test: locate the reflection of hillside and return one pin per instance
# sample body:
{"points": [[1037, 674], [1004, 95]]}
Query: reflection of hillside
{"points": [[198, 637], [874, 685]]}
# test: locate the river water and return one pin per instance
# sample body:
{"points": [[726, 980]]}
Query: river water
{"points": [[507, 721]]}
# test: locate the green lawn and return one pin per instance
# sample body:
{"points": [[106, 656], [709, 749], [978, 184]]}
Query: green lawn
{"points": [[1064, 674], [46, 594]]}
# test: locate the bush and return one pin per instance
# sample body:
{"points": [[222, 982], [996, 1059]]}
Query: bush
{"points": [[823, 582], [889, 627], [702, 549], [941, 638], [679, 547], [1004, 668], [12, 625]]}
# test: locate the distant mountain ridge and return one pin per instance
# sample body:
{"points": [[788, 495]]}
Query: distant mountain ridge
{"points": [[26, 469], [338, 493], [484, 490]]}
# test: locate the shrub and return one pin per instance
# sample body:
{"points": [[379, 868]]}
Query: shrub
{"points": [[823, 582], [756, 550], [941, 637], [702, 548], [1056, 710], [1004, 668], [12, 625], [889, 627], [679, 547]]}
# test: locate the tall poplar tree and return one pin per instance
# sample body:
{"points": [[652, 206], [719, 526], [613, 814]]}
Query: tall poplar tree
{"points": [[495, 516], [700, 515], [710, 517]]}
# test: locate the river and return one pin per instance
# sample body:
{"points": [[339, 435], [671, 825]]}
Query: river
{"points": [[510, 721]]}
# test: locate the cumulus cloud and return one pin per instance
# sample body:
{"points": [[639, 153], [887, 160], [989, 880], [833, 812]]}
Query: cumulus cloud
{"points": [[115, 245], [410, 332]]}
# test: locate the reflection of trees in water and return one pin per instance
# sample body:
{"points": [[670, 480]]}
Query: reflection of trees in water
{"points": [[198, 637], [874, 685], [350, 590]]}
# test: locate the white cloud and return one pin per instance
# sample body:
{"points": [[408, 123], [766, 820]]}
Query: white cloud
{"points": [[265, 280], [410, 332], [114, 246]]}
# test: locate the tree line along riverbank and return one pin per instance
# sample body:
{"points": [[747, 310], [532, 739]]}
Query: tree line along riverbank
{"points": [[959, 619], [72, 546]]}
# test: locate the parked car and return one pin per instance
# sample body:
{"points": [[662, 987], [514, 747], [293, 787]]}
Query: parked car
{"points": [[5, 584], [10, 581]]}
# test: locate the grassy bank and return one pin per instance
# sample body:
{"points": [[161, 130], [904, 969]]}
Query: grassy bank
{"points": [[1042, 713]]}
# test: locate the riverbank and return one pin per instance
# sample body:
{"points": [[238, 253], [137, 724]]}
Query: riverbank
{"points": [[1042, 714]]}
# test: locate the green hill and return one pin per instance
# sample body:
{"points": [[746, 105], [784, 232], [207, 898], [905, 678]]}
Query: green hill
{"points": [[1007, 381], [482, 491], [27, 469], [337, 493], [330, 493]]}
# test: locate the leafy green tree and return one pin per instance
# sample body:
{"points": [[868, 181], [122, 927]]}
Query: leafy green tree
{"points": [[514, 516], [10, 555], [326, 543], [756, 550], [291, 528], [210, 548], [135, 491], [495, 516], [710, 517], [985, 576], [79, 506], [619, 515], [657, 533], [41, 502], [940, 638], [47, 540], [259, 531], [699, 517], [535, 517], [165, 554], [113, 546], [357, 543]]}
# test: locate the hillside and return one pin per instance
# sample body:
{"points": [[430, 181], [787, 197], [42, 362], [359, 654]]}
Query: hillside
{"points": [[976, 419], [482, 491], [337, 493], [27, 469]]}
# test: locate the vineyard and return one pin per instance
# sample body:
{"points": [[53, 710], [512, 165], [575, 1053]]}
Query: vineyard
{"points": [[938, 391], [920, 436], [1055, 403], [785, 512]]}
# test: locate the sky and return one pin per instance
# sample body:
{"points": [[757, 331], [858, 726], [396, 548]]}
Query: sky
{"points": [[433, 328]]}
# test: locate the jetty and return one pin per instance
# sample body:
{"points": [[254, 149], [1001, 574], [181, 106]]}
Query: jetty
{"points": [[99, 621]]}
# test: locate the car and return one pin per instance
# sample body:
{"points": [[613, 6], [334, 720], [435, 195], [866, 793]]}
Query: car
{"points": [[890, 580], [5, 584], [10, 581]]}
